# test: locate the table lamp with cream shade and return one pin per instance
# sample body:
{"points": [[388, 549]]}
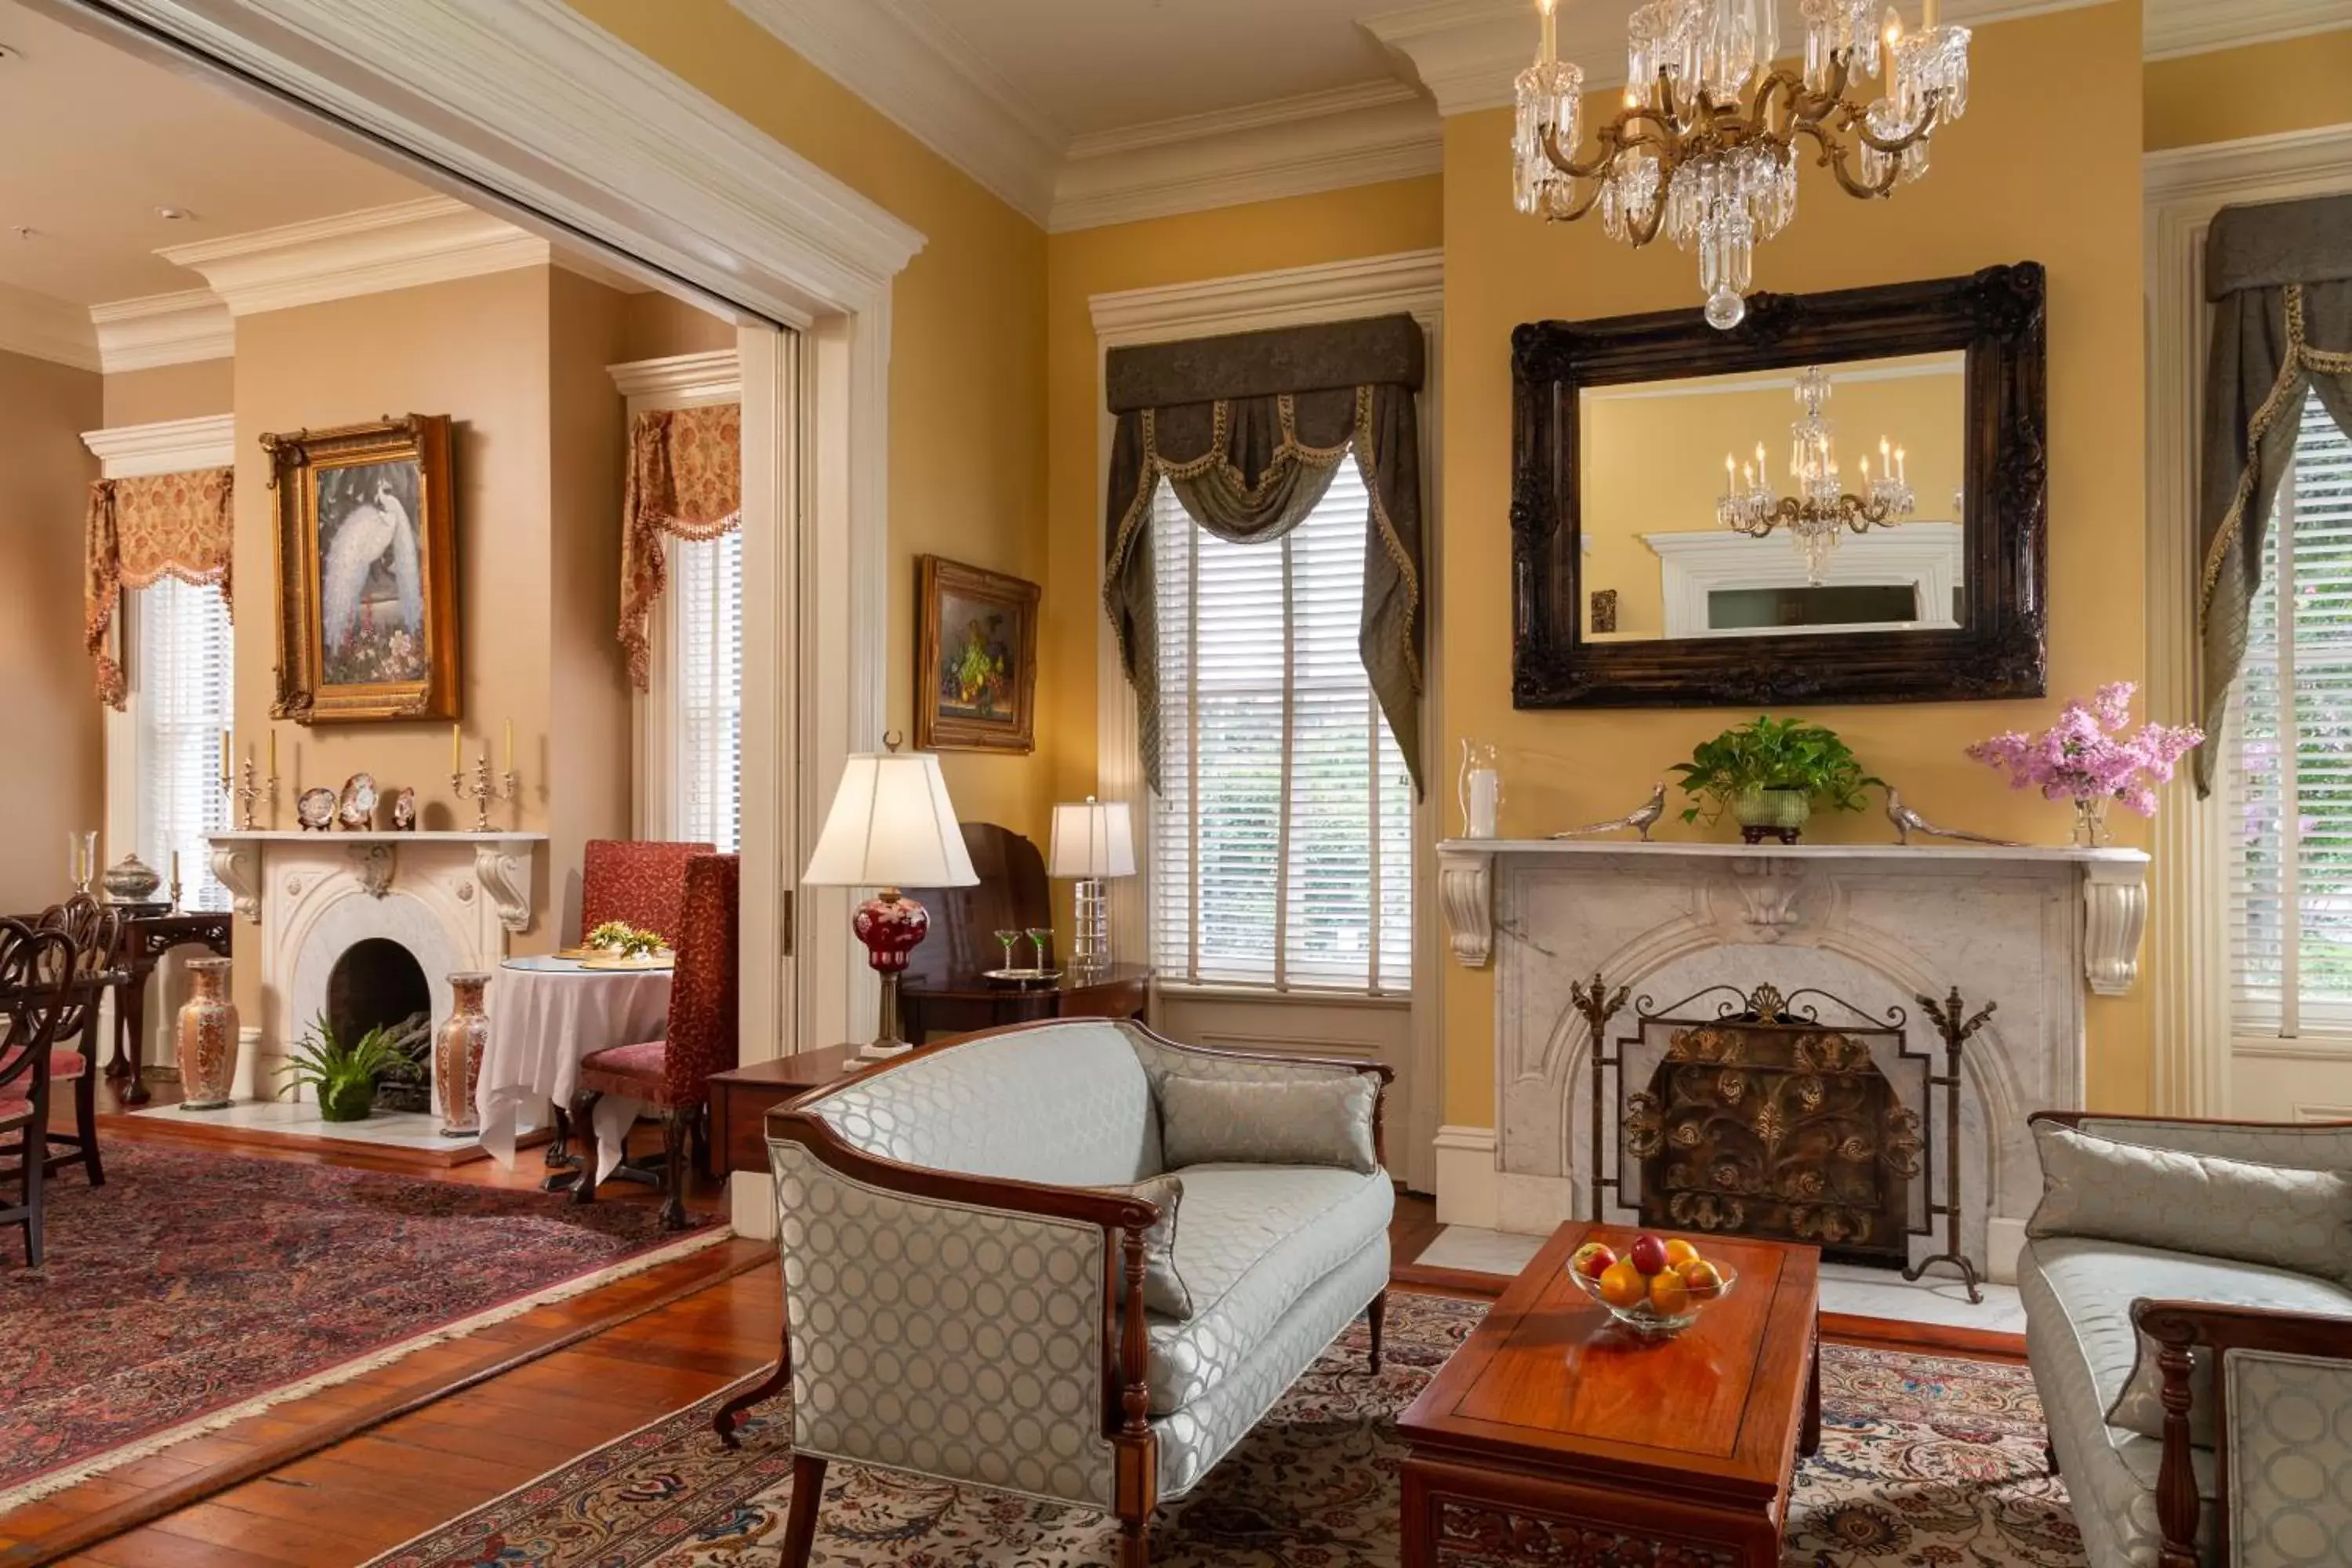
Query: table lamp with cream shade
{"points": [[891, 825], [1093, 840]]}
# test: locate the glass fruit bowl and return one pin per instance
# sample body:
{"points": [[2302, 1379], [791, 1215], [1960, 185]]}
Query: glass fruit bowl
{"points": [[1641, 1301]]}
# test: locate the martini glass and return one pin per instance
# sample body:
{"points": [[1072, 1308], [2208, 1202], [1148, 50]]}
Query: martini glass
{"points": [[1008, 938], [1038, 936]]}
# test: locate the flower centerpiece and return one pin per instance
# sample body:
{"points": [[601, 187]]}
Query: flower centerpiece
{"points": [[2087, 759], [1768, 774], [626, 941]]}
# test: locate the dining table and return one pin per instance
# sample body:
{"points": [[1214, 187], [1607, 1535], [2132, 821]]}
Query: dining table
{"points": [[547, 1012]]}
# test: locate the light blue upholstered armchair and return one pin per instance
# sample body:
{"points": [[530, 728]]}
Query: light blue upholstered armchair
{"points": [[2188, 1290], [1072, 1260]]}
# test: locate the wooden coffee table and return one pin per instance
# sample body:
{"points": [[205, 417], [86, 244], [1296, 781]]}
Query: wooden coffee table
{"points": [[1554, 1435]]}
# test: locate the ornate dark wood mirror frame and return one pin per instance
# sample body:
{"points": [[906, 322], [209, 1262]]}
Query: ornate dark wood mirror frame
{"points": [[2001, 648]]}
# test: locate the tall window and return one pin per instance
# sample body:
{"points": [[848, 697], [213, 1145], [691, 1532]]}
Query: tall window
{"points": [[182, 703], [706, 593], [2290, 758], [1282, 839]]}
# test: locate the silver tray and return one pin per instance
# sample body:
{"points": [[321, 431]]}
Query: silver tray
{"points": [[1022, 977]]}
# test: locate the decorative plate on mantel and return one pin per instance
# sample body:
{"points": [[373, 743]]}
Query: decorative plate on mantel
{"points": [[357, 813], [316, 809]]}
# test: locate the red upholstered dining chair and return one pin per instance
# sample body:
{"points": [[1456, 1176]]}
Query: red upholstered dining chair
{"points": [[36, 977], [641, 882], [94, 929], [673, 1074]]}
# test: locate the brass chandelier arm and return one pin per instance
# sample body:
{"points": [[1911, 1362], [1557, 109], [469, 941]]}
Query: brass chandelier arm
{"points": [[1835, 157], [1904, 140]]}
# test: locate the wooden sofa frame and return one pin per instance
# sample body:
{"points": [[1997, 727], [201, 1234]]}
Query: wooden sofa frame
{"points": [[1124, 1221], [2182, 1328]]}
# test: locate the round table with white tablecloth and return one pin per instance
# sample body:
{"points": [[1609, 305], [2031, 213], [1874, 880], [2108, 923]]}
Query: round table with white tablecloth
{"points": [[546, 1013]]}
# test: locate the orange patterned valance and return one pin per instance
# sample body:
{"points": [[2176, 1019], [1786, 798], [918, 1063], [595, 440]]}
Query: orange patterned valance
{"points": [[686, 479], [158, 525]]}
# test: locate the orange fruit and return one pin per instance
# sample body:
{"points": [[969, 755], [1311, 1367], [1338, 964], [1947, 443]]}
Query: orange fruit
{"points": [[1703, 1279], [1668, 1294], [1679, 1252], [1621, 1284]]}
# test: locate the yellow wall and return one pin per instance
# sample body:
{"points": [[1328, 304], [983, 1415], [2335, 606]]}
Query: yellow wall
{"points": [[1994, 195], [968, 347], [2294, 84], [1652, 465], [169, 391], [54, 735], [1368, 220]]}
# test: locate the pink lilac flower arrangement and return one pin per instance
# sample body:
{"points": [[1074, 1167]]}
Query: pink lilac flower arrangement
{"points": [[2086, 756]]}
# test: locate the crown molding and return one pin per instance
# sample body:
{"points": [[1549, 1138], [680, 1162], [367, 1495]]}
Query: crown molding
{"points": [[2263, 168], [168, 447], [432, 239], [1467, 52], [162, 329], [513, 105], [1293, 147], [45, 327], [1408, 280], [716, 374], [919, 73], [2174, 27]]}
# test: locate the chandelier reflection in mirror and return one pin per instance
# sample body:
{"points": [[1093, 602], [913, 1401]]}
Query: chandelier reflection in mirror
{"points": [[1822, 511], [1705, 147]]}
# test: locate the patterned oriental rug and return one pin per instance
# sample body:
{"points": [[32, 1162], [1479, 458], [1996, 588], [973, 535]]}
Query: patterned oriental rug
{"points": [[1924, 1461], [195, 1289]]}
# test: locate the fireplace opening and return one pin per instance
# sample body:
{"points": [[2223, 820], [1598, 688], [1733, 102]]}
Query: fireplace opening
{"points": [[377, 983], [1763, 1120]]}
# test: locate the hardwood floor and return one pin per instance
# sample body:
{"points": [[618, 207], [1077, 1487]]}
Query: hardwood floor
{"points": [[408, 1447]]}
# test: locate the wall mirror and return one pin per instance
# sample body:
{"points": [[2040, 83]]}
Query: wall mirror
{"points": [[1842, 499]]}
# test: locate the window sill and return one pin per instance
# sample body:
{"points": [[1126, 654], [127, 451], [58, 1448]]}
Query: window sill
{"points": [[1298, 996], [2316, 1046]]}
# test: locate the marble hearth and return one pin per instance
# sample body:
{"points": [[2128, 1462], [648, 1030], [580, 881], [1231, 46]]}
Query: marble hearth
{"points": [[2035, 930], [453, 900]]}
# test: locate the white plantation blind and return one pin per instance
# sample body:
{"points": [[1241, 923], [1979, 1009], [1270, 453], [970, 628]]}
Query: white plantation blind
{"points": [[1281, 843], [182, 702], [2289, 773], [707, 670]]}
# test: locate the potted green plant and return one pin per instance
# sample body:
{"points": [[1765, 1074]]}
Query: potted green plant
{"points": [[1768, 774], [341, 1076]]}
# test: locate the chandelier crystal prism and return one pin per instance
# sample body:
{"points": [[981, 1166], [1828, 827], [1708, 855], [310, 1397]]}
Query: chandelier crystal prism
{"points": [[1705, 147], [1822, 512]]}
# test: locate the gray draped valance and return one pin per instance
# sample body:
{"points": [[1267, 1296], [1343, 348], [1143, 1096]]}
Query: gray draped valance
{"points": [[2280, 277], [1247, 430]]}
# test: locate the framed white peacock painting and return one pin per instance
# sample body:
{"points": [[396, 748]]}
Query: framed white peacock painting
{"points": [[367, 578]]}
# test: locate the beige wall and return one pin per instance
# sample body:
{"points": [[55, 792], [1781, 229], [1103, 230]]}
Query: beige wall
{"points": [[2262, 89], [52, 718], [654, 325], [968, 349], [170, 392]]}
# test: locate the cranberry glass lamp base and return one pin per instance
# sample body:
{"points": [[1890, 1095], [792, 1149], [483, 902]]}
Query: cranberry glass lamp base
{"points": [[891, 924]]}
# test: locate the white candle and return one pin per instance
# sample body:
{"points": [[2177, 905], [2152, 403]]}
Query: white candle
{"points": [[223, 754], [457, 752], [1485, 792], [273, 753], [1901, 471], [509, 767], [1928, 13], [1551, 50]]}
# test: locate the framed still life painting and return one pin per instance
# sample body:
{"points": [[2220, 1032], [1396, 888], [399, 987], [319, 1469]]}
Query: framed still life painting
{"points": [[367, 579], [977, 663]]}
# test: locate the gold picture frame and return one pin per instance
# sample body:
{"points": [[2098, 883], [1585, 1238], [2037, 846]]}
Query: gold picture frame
{"points": [[976, 659], [366, 548]]}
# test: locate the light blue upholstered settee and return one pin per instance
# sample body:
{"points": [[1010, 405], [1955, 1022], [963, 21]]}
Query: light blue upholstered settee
{"points": [[2162, 1246], [966, 1283]]}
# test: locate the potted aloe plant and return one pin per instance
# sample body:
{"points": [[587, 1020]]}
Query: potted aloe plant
{"points": [[341, 1076], [1769, 774]]}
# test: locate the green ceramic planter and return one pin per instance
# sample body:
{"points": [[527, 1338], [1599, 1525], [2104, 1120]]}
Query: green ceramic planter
{"points": [[1776, 808]]}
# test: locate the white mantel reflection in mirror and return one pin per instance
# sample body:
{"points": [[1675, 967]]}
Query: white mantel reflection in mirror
{"points": [[1651, 468]]}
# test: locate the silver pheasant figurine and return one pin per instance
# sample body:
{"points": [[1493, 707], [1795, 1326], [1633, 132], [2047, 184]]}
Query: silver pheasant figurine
{"points": [[1641, 821], [1908, 822]]}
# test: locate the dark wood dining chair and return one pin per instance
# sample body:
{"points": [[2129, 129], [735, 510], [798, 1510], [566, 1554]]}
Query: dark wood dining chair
{"points": [[94, 928], [36, 977]]}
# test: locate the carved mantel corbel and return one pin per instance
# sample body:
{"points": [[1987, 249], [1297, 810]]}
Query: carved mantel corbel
{"points": [[2115, 913], [505, 875], [1465, 896], [238, 868]]}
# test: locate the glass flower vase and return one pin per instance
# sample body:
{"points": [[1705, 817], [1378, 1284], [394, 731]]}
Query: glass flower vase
{"points": [[2091, 821]]}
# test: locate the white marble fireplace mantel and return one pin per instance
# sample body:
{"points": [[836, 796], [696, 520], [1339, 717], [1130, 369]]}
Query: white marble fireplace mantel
{"points": [[502, 863], [2112, 884]]}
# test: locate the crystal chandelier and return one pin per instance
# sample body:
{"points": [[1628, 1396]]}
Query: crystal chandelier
{"points": [[1822, 511], [1705, 147]]}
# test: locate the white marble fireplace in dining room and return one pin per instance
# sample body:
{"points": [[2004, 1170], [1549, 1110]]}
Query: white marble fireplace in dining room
{"points": [[453, 900], [2034, 930]]}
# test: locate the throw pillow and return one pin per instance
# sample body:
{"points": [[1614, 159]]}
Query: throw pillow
{"points": [[1164, 1290], [1298, 1121], [2297, 1220]]}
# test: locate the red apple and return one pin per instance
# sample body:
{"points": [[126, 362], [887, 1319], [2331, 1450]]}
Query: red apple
{"points": [[1648, 1253], [1591, 1260]]}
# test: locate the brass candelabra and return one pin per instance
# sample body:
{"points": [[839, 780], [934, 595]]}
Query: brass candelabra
{"points": [[483, 790], [246, 789]]}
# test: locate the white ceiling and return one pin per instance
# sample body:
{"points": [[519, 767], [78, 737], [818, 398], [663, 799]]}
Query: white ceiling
{"points": [[111, 138]]}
